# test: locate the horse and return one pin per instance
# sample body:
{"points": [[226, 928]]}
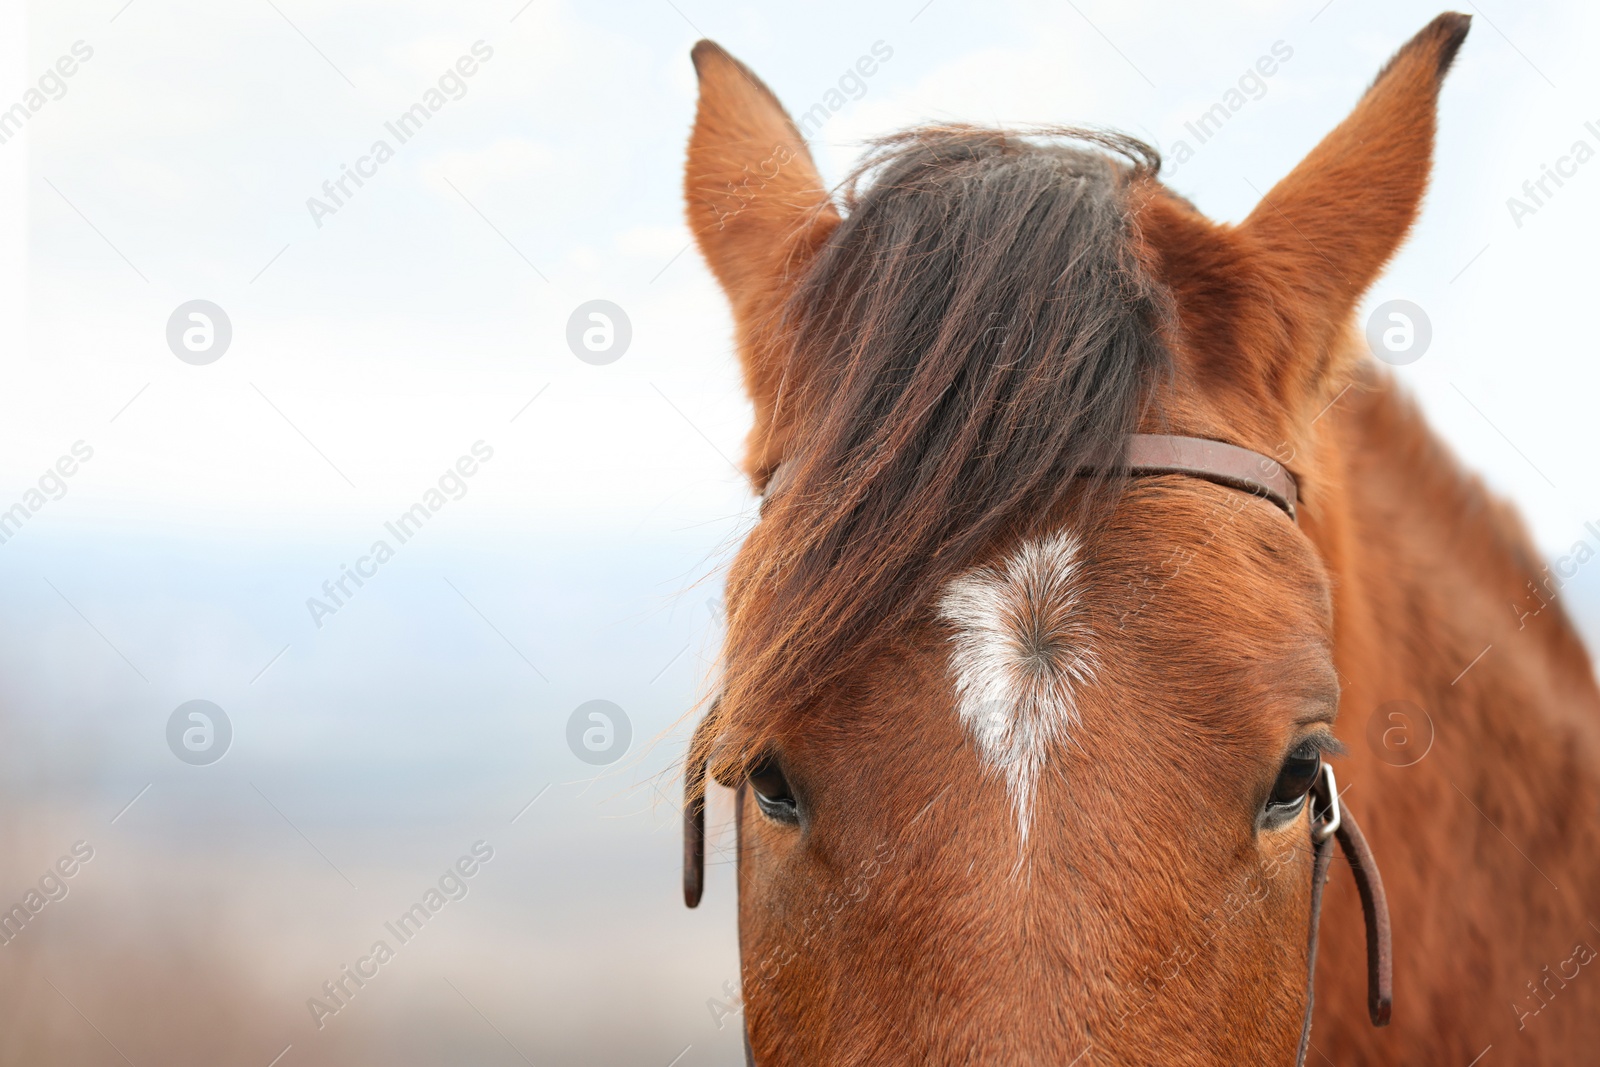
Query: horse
{"points": [[1102, 578]]}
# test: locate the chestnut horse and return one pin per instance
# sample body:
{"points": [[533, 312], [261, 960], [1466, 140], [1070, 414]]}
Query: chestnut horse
{"points": [[1023, 728]]}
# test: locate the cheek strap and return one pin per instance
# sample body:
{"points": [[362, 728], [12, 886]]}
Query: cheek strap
{"points": [[1329, 822], [694, 816]]}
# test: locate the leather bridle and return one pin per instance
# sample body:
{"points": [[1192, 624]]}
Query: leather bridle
{"points": [[1250, 472]]}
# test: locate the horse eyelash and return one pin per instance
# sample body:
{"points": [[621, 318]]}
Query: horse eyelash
{"points": [[1325, 743]]}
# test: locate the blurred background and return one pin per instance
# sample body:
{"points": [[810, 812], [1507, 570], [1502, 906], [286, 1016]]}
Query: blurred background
{"points": [[359, 348]]}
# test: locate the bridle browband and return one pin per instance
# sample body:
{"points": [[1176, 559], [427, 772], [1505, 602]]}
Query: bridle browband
{"points": [[1213, 461], [1257, 474]]}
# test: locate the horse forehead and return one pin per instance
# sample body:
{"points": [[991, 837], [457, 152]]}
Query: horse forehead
{"points": [[1021, 650]]}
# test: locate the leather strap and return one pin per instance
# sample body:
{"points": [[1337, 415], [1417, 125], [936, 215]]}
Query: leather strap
{"points": [[1330, 822], [1214, 461], [1322, 854], [694, 818], [1375, 906], [694, 837], [1160, 453]]}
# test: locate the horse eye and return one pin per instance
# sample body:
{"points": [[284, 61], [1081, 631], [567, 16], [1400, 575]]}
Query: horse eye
{"points": [[773, 795], [1297, 776]]}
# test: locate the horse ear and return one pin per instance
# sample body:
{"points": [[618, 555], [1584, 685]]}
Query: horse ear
{"points": [[759, 213], [1328, 229]]}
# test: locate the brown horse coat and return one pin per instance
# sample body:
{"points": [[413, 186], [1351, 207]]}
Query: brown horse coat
{"points": [[1091, 868]]}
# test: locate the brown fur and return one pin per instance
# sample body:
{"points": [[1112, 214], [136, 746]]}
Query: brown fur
{"points": [[942, 390], [759, 213], [1149, 920]]}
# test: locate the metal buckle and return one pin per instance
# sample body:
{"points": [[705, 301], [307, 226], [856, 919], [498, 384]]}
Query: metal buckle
{"points": [[1323, 828]]}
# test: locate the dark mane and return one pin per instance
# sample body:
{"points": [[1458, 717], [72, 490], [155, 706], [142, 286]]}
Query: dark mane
{"points": [[977, 328]]}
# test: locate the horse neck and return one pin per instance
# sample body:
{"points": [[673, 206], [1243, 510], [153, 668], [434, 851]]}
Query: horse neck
{"points": [[1434, 603], [1440, 596]]}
